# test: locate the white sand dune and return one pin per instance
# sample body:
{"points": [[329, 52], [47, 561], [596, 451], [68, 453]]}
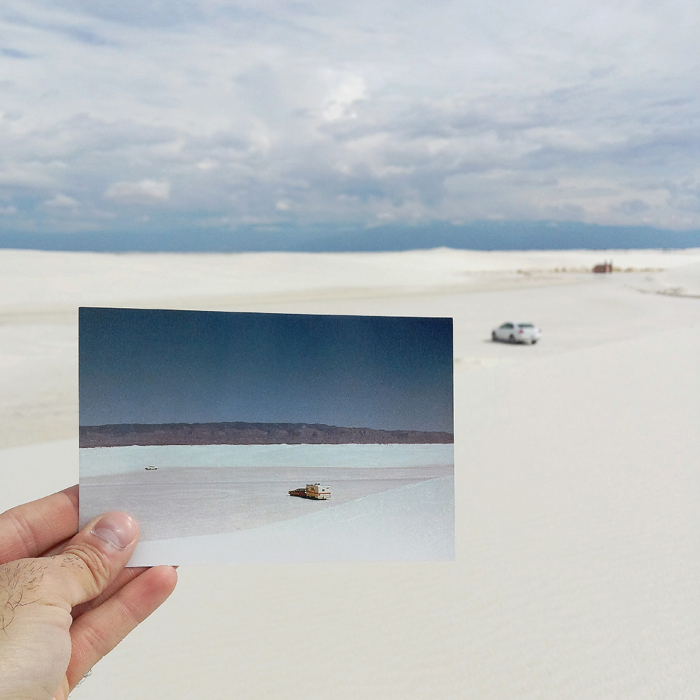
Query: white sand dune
{"points": [[387, 526], [682, 281], [577, 487], [183, 502]]}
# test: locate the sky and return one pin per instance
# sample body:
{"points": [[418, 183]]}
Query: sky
{"points": [[153, 366], [216, 117]]}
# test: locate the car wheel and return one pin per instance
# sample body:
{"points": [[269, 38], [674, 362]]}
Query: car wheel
{"points": [[493, 336], [533, 342], [511, 339]]}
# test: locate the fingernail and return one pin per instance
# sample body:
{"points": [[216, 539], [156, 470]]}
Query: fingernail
{"points": [[119, 529]]}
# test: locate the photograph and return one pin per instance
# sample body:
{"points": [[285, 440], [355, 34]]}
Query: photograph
{"points": [[263, 437], [365, 334]]}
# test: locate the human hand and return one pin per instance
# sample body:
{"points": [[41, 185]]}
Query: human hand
{"points": [[66, 600]]}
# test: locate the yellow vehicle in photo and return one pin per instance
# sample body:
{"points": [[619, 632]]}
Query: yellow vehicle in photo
{"points": [[317, 491]]}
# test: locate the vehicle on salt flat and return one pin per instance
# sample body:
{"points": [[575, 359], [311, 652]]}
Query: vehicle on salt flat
{"points": [[510, 332], [316, 491]]}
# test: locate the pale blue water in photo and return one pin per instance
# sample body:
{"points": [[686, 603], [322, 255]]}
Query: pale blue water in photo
{"points": [[101, 461]]}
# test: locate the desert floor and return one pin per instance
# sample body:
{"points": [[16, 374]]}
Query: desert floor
{"points": [[184, 502], [577, 488]]}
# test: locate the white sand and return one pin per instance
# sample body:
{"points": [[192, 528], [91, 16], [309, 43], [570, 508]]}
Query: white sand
{"points": [[386, 526], [181, 502], [200, 490], [576, 481]]}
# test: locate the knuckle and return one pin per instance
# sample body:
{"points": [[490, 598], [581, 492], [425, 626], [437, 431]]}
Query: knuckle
{"points": [[130, 610], [24, 539], [92, 640], [93, 563]]}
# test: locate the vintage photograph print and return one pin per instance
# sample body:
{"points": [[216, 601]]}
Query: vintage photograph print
{"points": [[253, 437]]}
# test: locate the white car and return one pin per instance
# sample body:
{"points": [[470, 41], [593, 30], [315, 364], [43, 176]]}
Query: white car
{"points": [[516, 333]]}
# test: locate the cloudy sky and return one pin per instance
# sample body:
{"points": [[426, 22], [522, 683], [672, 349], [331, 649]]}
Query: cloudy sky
{"points": [[212, 114]]}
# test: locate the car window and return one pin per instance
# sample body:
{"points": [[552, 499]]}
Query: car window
{"points": [[525, 325], [507, 325]]}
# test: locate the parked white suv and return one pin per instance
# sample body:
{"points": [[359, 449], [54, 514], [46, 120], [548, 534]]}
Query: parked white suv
{"points": [[516, 333]]}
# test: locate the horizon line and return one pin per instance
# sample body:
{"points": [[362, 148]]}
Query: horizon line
{"points": [[305, 425], [479, 235]]}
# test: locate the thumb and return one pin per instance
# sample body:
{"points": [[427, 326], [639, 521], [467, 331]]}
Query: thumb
{"points": [[95, 556]]}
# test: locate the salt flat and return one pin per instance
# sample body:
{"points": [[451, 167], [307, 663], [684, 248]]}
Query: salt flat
{"points": [[206, 490], [181, 502], [577, 492], [387, 525]]}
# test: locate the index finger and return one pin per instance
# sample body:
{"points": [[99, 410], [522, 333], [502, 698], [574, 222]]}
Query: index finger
{"points": [[32, 528]]}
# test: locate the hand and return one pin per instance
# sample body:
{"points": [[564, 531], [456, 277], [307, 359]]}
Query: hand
{"points": [[66, 601]]}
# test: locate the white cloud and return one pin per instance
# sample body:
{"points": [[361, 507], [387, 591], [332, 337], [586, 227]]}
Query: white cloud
{"points": [[207, 164], [61, 201], [143, 191], [347, 91], [353, 112]]}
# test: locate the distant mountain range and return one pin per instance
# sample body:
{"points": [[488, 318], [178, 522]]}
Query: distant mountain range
{"points": [[250, 434], [477, 235]]}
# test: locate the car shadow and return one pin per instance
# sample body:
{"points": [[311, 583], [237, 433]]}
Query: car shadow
{"points": [[490, 341]]}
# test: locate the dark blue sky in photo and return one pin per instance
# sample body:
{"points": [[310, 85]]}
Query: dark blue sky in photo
{"points": [[156, 366]]}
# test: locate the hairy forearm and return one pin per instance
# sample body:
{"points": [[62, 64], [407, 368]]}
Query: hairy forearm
{"points": [[34, 639]]}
